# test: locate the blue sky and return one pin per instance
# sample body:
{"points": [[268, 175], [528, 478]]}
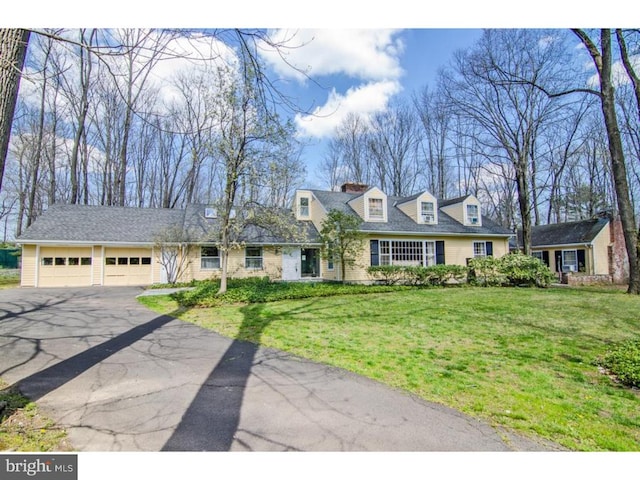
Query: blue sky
{"points": [[358, 71], [362, 55]]}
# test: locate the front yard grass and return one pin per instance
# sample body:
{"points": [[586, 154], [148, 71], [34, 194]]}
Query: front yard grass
{"points": [[523, 359], [23, 428]]}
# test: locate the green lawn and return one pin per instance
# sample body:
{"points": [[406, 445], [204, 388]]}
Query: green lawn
{"points": [[518, 358]]}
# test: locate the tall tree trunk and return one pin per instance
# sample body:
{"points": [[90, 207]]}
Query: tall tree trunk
{"points": [[602, 61], [13, 50]]}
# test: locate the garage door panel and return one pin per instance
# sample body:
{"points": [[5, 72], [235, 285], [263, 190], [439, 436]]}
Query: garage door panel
{"points": [[127, 266], [65, 267]]}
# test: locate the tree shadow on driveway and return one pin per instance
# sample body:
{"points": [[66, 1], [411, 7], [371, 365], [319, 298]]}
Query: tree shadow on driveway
{"points": [[211, 421]]}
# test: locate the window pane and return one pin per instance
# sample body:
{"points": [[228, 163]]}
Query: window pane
{"points": [[375, 208], [61, 261], [85, 261], [472, 214], [304, 207], [47, 261], [427, 211], [123, 260], [209, 262], [430, 248], [209, 252], [479, 249], [134, 261], [146, 260], [74, 261], [253, 263], [110, 261], [253, 257]]}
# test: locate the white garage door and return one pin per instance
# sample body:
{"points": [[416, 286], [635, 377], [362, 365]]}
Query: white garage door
{"points": [[64, 267]]}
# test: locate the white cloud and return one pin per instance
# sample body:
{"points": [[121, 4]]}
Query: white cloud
{"points": [[363, 99], [363, 54], [369, 57]]}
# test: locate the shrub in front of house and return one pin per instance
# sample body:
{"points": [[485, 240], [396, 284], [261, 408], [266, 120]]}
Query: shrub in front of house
{"points": [[519, 269], [485, 271], [624, 362], [510, 270], [434, 275]]}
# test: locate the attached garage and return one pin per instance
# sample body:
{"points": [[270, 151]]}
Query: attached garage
{"points": [[65, 266], [127, 266]]}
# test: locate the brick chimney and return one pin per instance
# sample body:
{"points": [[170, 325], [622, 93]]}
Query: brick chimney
{"points": [[352, 187]]}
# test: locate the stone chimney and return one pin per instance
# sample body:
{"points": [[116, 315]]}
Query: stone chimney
{"points": [[352, 187]]}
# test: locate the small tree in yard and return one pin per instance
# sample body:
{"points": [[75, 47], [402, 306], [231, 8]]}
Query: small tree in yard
{"points": [[343, 239], [173, 245]]}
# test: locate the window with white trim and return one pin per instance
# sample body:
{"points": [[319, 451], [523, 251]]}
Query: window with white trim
{"points": [[376, 209], [253, 257], [407, 252], [479, 249], [428, 212], [538, 255], [570, 260], [473, 216], [303, 207], [209, 258]]}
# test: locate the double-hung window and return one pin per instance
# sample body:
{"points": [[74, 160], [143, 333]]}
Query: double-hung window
{"points": [[570, 260], [473, 216], [304, 207], [209, 258], [479, 249], [253, 257], [427, 212], [376, 209]]}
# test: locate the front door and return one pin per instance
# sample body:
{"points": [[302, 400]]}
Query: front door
{"points": [[310, 262], [291, 264]]}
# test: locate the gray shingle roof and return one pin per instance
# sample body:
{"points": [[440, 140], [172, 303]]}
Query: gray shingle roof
{"points": [[86, 223], [258, 231], [102, 224], [398, 221], [583, 231]]}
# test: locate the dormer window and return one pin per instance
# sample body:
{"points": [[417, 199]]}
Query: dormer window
{"points": [[427, 212], [376, 209], [303, 207], [473, 215]]}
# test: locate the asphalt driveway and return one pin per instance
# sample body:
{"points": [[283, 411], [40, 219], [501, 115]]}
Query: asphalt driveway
{"points": [[119, 377]]}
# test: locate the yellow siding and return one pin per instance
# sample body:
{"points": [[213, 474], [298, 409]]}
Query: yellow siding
{"points": [[600, 251], [98, 265], [358, 204], [28, 270], [271, 265], [455, 211], [318, 213], [456, 251], [410, 209]]}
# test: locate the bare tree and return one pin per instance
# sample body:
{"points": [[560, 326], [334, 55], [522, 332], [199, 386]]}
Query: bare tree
{"points": [[510, 113], [13, 50], [393, 143], [435, 117], [602, 55]]}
